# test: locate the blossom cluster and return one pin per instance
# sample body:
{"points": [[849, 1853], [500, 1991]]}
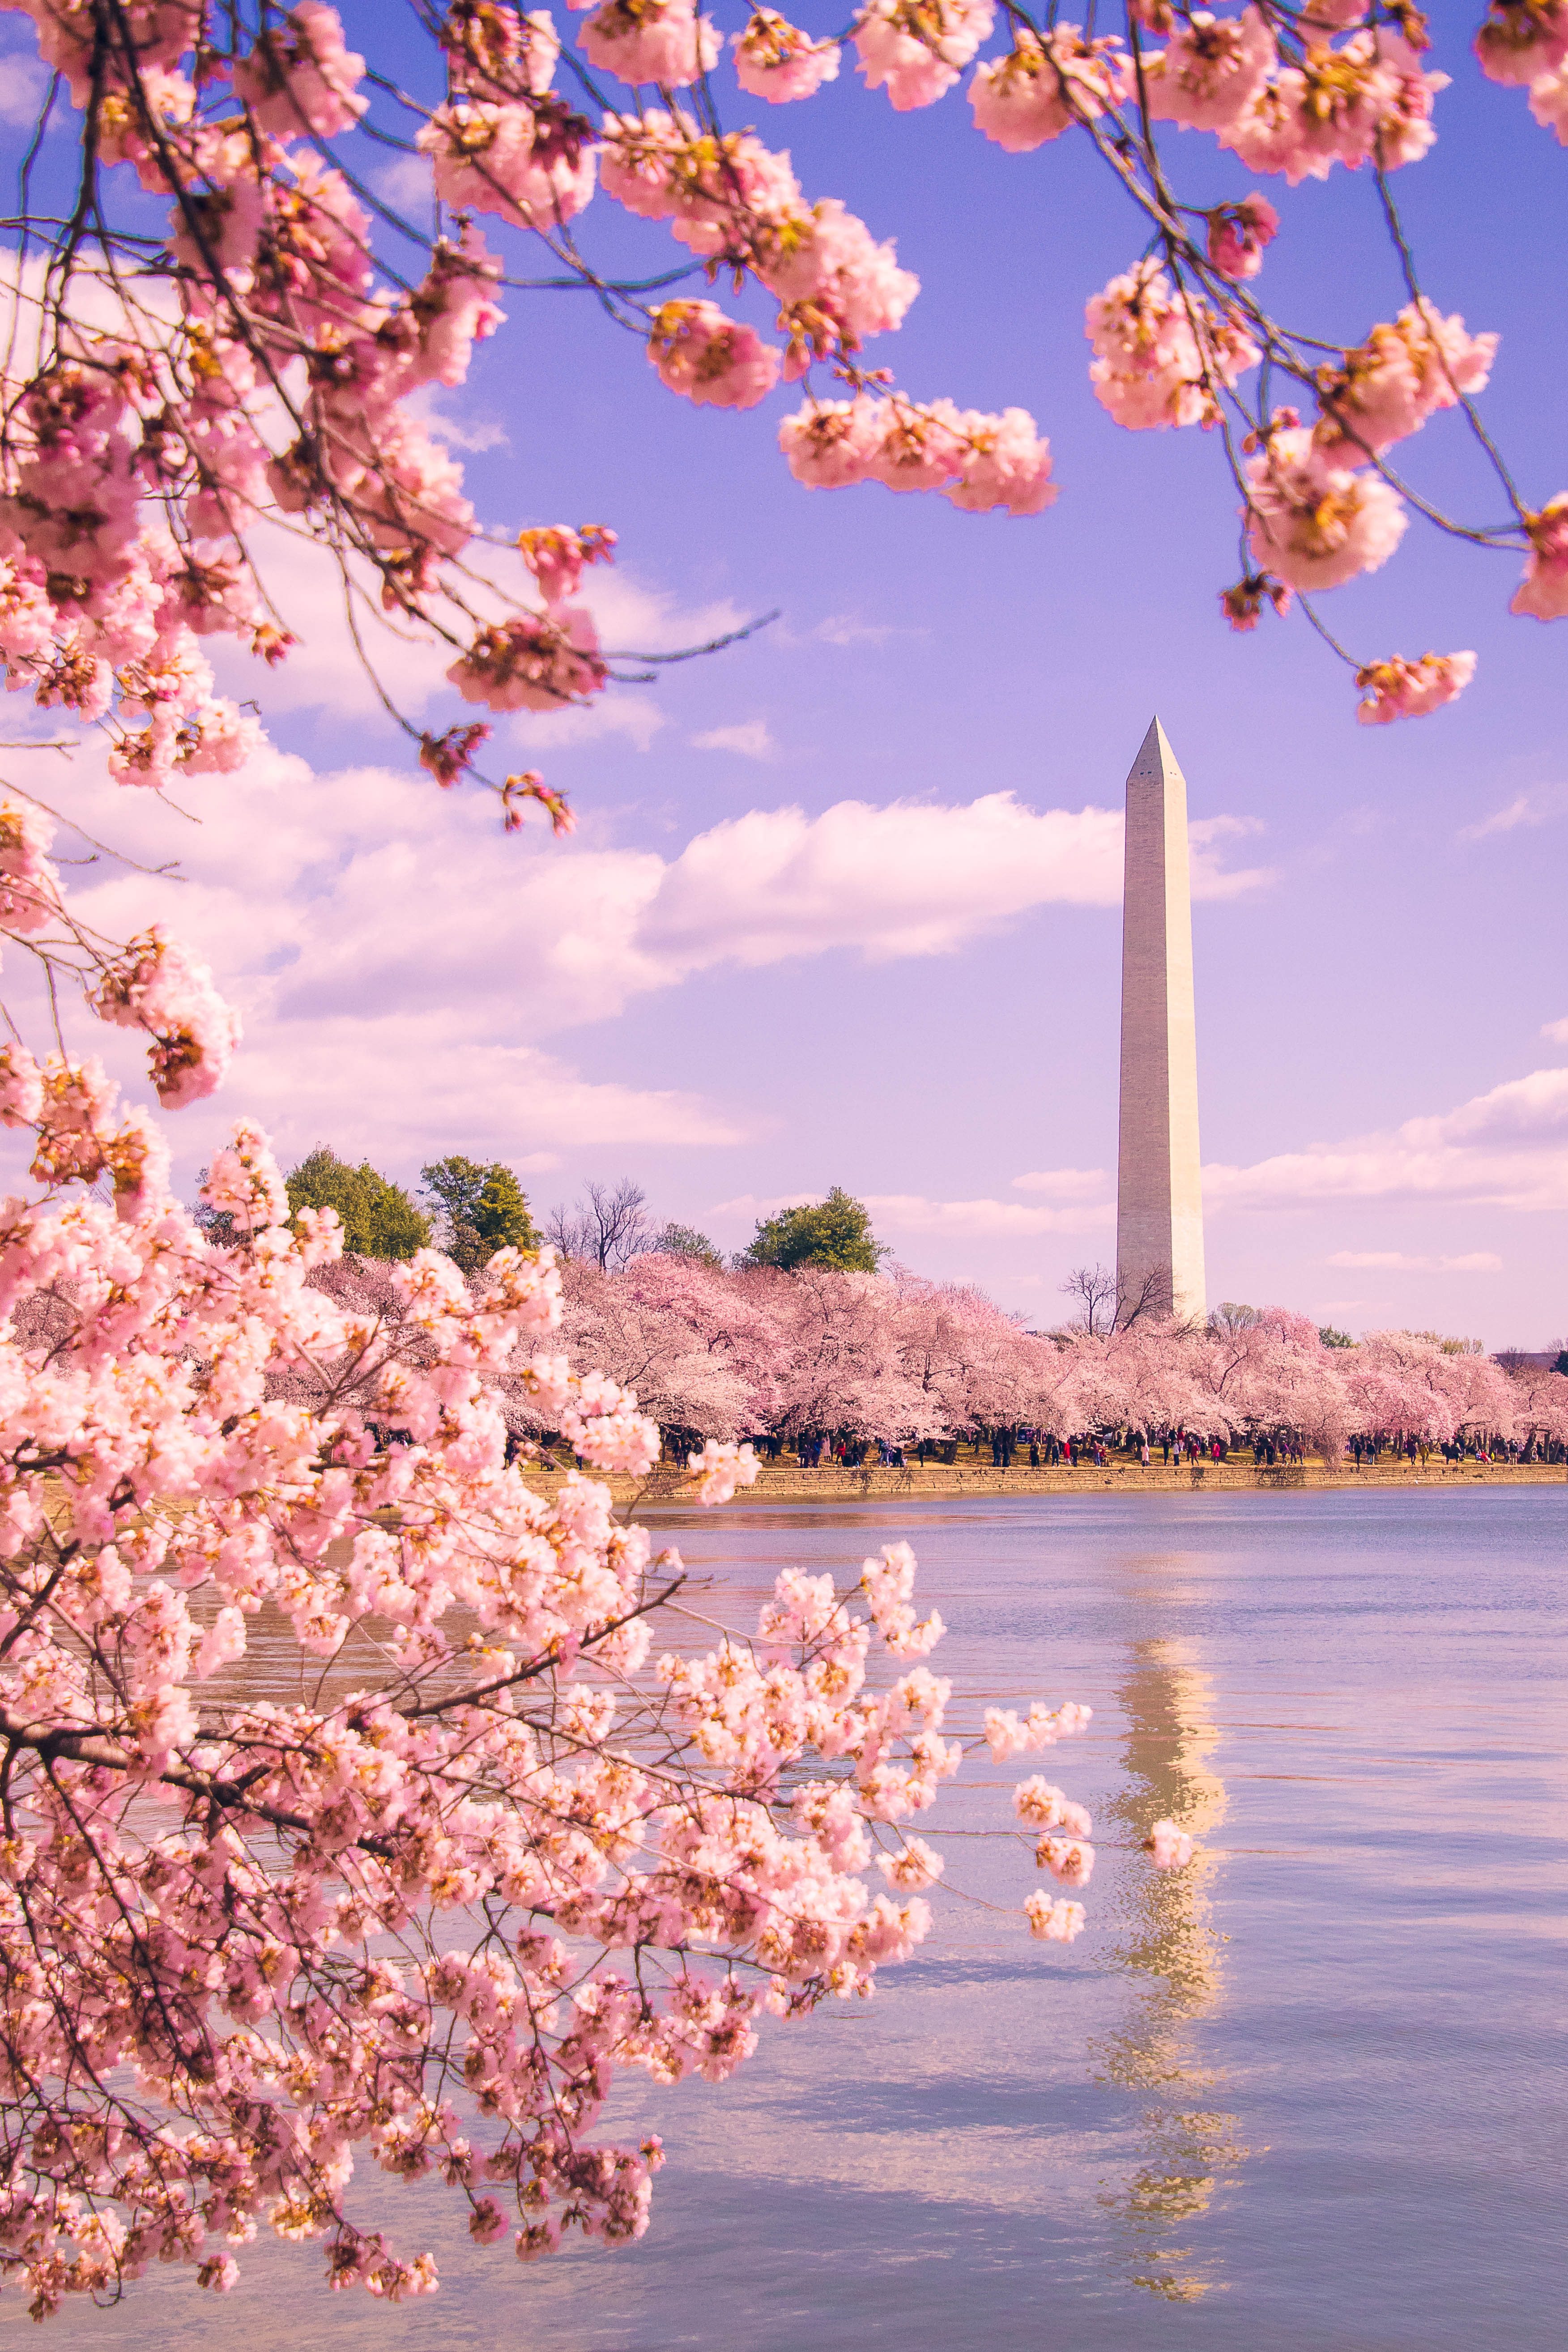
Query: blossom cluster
{"points": [[152, 983], [1162, 356], [1525, 43], [380, 1915], [979, 462]]}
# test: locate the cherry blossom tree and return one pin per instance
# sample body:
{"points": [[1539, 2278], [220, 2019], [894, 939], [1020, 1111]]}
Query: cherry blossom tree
{"points": [[895, 1357], [701, 1353], [497, 1849], [504, 1842]]}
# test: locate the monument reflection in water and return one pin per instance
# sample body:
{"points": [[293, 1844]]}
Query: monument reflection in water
{"points": [[1169, 1954]]}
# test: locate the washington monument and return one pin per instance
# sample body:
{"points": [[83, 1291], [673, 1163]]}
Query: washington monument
{"points": [[1159, 1192]]}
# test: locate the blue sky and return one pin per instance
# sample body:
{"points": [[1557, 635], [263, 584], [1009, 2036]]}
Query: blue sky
{"points": [[920, 1001]]}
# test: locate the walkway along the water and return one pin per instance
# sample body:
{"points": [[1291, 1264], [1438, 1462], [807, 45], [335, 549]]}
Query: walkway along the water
{"points": [[936, 1481]]}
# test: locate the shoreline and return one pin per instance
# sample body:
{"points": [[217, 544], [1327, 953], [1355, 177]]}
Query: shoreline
{"points": [[937, 1482]]}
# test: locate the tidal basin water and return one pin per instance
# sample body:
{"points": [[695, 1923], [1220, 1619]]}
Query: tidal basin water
{"points": [[1308, 2096]]}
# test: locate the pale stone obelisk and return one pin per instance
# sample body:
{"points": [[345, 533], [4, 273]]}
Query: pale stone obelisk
{"points": [[1159, 1195]]}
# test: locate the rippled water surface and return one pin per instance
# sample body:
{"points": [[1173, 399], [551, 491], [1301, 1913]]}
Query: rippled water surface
{"points": [[1308, 2093]]}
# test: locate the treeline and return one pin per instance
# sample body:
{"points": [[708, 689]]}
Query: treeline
{"points": [[793, 1357], [465, 1207], [806, 1339], [470, 1209]]}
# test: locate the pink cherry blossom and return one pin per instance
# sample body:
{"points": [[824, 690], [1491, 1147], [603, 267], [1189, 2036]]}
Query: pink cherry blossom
{"points": [[158, 986], [1368, 100], [1212, 71], [1171, 1848], [662, 41], [1523, 40], [1068, 1859], [831, 443], [303, 78], [533, 163], [776, 61], [721, 1468], [1039, 1804], [1008, 1734], [1397, 688], [1004, 463], [838, 285], [1549, 101], [1543, 591], [532, 662], [1389, 385], [21, 1087], [1238, 233], [913, 1866], [556, 556], [1162, 358], [1314, 524], [711, 360], [916, 50], [1055, 1922], [1034, 92], [922, 446], [29, 884]]}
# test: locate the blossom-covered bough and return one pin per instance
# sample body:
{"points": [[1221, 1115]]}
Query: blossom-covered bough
{"points": [[228, 319], [348, 1807]]}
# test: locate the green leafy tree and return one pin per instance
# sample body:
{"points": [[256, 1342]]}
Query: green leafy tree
{"points": [[478, 1207], [1332, 1338], [682, 1241], [835, 1232], [378, 1220]]}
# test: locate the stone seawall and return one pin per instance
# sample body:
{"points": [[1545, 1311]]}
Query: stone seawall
{"points": [[938, 1482]]}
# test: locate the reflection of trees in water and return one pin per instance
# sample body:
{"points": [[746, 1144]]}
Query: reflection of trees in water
{"points": [[1169, 1951]]}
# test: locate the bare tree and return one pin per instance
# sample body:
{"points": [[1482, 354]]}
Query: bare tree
{"points": [[606, 1227], [1145, 1298], [1094, 1288], [1114, 1302]]}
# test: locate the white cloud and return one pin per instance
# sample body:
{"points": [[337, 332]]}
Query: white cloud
{"points": [[474, 432], [906, 879], [339, 896], [751, 737], [1210, 879], [1525, 808], [404, 182], [1064, 1183], [1556, 1030], [1398, 1262], [384, 965], [23, 82], [845, 629], [390, 950], [400, 1082], [910, 1213], [749, 1208], [1507, 1149]]}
